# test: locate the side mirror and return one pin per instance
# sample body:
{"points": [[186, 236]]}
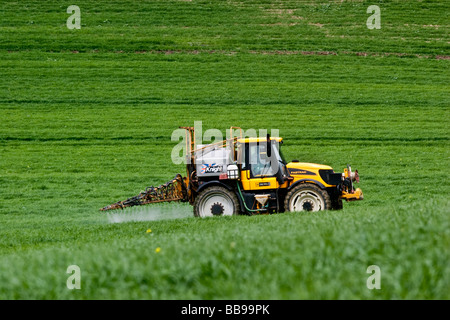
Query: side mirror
{"points": [[269, 147]]}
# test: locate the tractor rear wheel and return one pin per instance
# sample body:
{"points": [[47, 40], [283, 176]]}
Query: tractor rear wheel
{"points": [[216, 201], [307, 197]]}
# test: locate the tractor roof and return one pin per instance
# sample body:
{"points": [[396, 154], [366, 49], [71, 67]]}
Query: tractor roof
{"points": [[259, 139]]}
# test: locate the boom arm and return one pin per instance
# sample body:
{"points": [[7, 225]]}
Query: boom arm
{"points": [[173, 190]]}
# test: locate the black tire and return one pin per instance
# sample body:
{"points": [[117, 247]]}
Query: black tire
{"points": [[307, 197], [336, 204], [216, 201]]}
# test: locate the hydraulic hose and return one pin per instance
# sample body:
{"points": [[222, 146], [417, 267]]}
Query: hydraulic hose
{"points": [[243, 201]]}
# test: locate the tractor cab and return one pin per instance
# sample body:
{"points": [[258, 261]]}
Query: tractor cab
{"points": [[261, 163]]}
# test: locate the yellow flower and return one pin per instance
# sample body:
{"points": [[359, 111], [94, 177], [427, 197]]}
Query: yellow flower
{"points": [[149, 230], [158, 250]]}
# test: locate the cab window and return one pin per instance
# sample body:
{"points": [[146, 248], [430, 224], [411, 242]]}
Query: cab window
{"points": [[259, 162]]}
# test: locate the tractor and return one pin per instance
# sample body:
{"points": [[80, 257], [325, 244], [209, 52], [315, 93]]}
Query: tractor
{"points": [[249, 175]]}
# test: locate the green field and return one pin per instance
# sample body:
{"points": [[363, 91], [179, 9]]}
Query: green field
{"points": [[87, 117]]}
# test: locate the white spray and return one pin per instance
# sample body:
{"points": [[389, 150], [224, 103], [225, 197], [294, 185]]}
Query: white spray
{"points": [[152, 212]]}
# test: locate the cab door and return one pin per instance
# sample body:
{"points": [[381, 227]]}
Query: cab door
{"points": [[258, 172]]}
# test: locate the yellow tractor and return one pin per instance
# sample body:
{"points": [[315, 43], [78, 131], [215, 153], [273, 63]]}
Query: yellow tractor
{"points": [[242, 175]]}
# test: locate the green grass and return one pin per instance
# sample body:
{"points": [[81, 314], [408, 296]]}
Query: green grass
{"points": [[286, 256], [87, 117]]}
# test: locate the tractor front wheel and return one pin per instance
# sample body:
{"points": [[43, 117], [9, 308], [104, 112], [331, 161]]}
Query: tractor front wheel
{"points": [[216, 201], [307, 197]]}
